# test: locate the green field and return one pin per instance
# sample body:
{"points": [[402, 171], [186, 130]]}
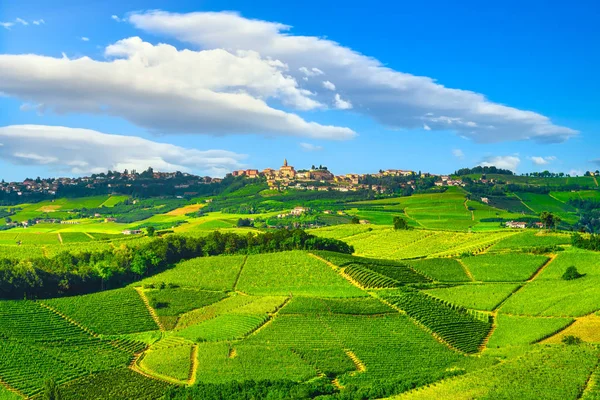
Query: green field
{"points": [[549, 295], [475, 296], [509, 267], [293, 273], [454, 308]]}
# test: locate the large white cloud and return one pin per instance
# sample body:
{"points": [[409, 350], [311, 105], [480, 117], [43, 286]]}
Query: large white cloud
{"points": [[167, 90], [504, 162], [393, 98], [86, 151]]}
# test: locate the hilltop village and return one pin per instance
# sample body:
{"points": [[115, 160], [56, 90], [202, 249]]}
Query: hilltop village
{"points": [[321, 179], [317, 178]]}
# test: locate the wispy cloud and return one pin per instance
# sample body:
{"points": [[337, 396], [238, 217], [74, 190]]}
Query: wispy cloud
{"points": [[85, 39], [328, 85], [537, 160], [458, 153], [20, 21], [310, 72], [341, 104], [310, 147], [116, 18]]}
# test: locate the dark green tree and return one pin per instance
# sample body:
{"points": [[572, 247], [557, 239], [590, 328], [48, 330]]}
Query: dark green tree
{"points": [[549, 220], [150, 230], [400, 223], [571, 274]]}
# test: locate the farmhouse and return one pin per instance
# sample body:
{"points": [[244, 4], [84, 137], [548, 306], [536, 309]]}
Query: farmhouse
{"points": [[516, 224], [485, 200], [131, 232], [299, 211]]}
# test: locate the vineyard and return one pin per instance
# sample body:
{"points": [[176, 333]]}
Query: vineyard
{"points": [[463, 330], [414, 314]]}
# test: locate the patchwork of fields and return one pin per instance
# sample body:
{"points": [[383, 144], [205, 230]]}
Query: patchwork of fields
{"points": [[456, 307], [410, 309]]}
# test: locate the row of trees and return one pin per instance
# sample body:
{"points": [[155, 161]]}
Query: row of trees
{"points": [[69, 273]]}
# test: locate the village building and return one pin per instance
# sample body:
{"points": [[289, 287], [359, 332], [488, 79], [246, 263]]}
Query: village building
{"points": [[268, 173], [287, 171], [321, 175]]}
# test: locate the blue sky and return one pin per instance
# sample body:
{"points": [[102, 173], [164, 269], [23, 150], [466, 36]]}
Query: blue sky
{"points": [[240, 91]]}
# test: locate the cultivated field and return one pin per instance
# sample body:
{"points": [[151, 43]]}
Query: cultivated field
{"points": [[455, 308]]}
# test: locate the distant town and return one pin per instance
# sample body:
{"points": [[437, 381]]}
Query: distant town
{"points": [[318, 178]]}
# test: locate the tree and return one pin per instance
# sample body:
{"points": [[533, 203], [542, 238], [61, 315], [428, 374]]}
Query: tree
{"points": [[150, 230], [51, 391], [549, 220], [571, 274], [244, 222], [400, 224], [354, 220], [571, 340]]}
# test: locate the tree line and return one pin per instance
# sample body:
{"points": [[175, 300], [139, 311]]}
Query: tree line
{"points": [[71, 273], [592, 242]]}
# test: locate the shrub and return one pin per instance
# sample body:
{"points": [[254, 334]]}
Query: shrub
{"points": [[571, 340], [571, 274]]}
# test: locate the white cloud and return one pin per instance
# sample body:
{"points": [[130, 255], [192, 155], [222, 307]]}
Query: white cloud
{"points": [[426, 127], [85, 39], [310, 72], [7, 25], [342, 104], [82, 151], [115, 18], [328, 85], [310, 147], [21, 21], [458, 153], [504, 162], [167, 90], [39, 22], [395, 99], [537, 160]]}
